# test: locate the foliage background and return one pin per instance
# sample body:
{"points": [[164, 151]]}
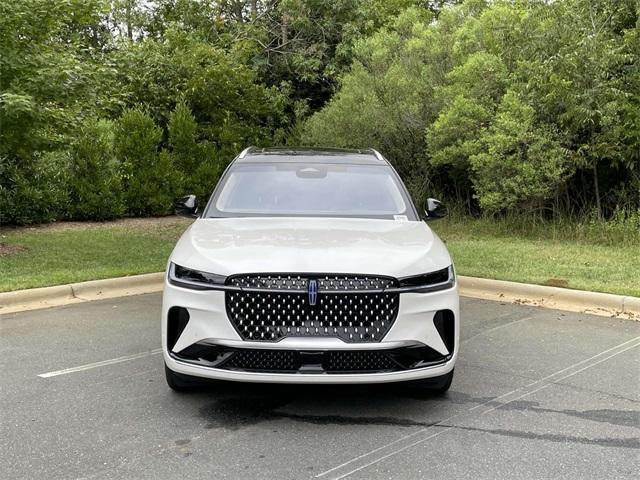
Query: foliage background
{"points": [[113, 108]]}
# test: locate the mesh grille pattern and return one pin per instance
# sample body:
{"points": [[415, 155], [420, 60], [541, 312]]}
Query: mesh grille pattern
{"points": [[353, 282], [290, 361], [275, 282], [353, 317], [325, 282], [358, 361], [263, 360]]}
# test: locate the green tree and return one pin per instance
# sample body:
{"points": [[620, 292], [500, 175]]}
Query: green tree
{"points": [[579, 72], [182, 138], [95, 184], [150, 179], [33, 193], [521, 163], [51, 78], [229, 104], [384, 100], [573, 66], [196, 160], [422, 81], [468, 109]]}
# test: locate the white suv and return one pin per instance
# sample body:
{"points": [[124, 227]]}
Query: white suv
{"points": [[310, 266]]}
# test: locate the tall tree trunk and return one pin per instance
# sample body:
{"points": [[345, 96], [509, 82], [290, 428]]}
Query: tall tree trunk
{"points": [[254, 9]]}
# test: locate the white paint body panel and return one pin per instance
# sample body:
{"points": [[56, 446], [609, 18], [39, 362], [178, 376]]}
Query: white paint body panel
{"points": [[310, 245], [229, 246]]}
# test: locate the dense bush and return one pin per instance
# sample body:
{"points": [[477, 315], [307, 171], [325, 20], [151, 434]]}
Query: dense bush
{"points": [[519, 163], [95, 177], [33, 193], [49, 79], [198, 161], [523, 106], [504, 107], [230, 105], [383, 100], [150, 178]]}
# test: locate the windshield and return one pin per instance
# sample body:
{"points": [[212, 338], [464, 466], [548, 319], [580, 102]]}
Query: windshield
{"points": [[308, 189]]}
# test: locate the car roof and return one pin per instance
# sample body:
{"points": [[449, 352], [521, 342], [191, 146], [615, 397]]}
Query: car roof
{"points": [[312, 155]]}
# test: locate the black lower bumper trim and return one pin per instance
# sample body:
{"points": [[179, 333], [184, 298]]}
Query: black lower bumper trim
{"points": [[310, 361]]}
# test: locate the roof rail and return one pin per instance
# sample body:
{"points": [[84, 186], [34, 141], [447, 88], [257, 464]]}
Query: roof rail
{"points": [[245, 151], [378, 155]]}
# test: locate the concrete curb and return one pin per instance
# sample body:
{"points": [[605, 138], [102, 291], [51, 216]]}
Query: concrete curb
{"points": [[36, 298], [594, 303]]}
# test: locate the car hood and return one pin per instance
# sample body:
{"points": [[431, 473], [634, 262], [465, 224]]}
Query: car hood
{"points": [[229, 246]]}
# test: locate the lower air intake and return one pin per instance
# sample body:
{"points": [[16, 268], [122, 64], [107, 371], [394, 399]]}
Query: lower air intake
{"points": [[358, 361], [263, 360], [310, 362]]}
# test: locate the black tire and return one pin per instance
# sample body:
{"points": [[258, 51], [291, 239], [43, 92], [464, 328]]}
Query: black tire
{"points": [[182, 383], [434, 386]]}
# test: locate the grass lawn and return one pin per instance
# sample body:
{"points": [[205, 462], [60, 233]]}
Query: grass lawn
{"points": [[559, 255], [67, 253], [596, 258]]}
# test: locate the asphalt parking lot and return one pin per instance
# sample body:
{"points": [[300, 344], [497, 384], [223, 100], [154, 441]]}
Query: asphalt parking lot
{"points": [[537, 394]]}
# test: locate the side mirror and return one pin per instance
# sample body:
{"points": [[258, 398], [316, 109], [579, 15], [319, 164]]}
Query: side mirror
{"points": [[186, 206], [433, 210]]}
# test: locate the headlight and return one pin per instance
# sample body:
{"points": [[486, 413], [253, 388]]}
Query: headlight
{"points": [[194, 279], [430, 282]]}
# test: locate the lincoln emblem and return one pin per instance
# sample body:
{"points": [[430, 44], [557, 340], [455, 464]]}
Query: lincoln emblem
{"points": [[312, 289]]}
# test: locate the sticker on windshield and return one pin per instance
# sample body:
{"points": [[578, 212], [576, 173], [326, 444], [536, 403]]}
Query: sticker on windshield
{"points": [[401, 218]]}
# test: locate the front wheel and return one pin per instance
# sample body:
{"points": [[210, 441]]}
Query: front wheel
{"points": [[182, 383], [434, 386]]}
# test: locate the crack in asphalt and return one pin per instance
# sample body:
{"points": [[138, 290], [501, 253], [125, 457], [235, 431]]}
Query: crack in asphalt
{"points": [[462, 362], [632, 442], [625, 418], [595, 390]]}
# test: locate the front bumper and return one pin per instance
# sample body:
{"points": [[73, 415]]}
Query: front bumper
{"points": [[208, 324]]}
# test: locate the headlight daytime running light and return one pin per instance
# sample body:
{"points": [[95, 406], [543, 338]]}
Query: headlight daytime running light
{"points": [[430, 282], [194, 279]]}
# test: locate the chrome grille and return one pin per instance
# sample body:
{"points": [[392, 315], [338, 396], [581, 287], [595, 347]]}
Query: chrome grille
{"points": [[354, 282], [275, 282], [325, 282], [340, 311]]}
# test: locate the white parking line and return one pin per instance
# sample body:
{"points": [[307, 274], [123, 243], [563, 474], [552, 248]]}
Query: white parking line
{"points": [[103, 363], [484, 332], [556, 380], [568, 371]]}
